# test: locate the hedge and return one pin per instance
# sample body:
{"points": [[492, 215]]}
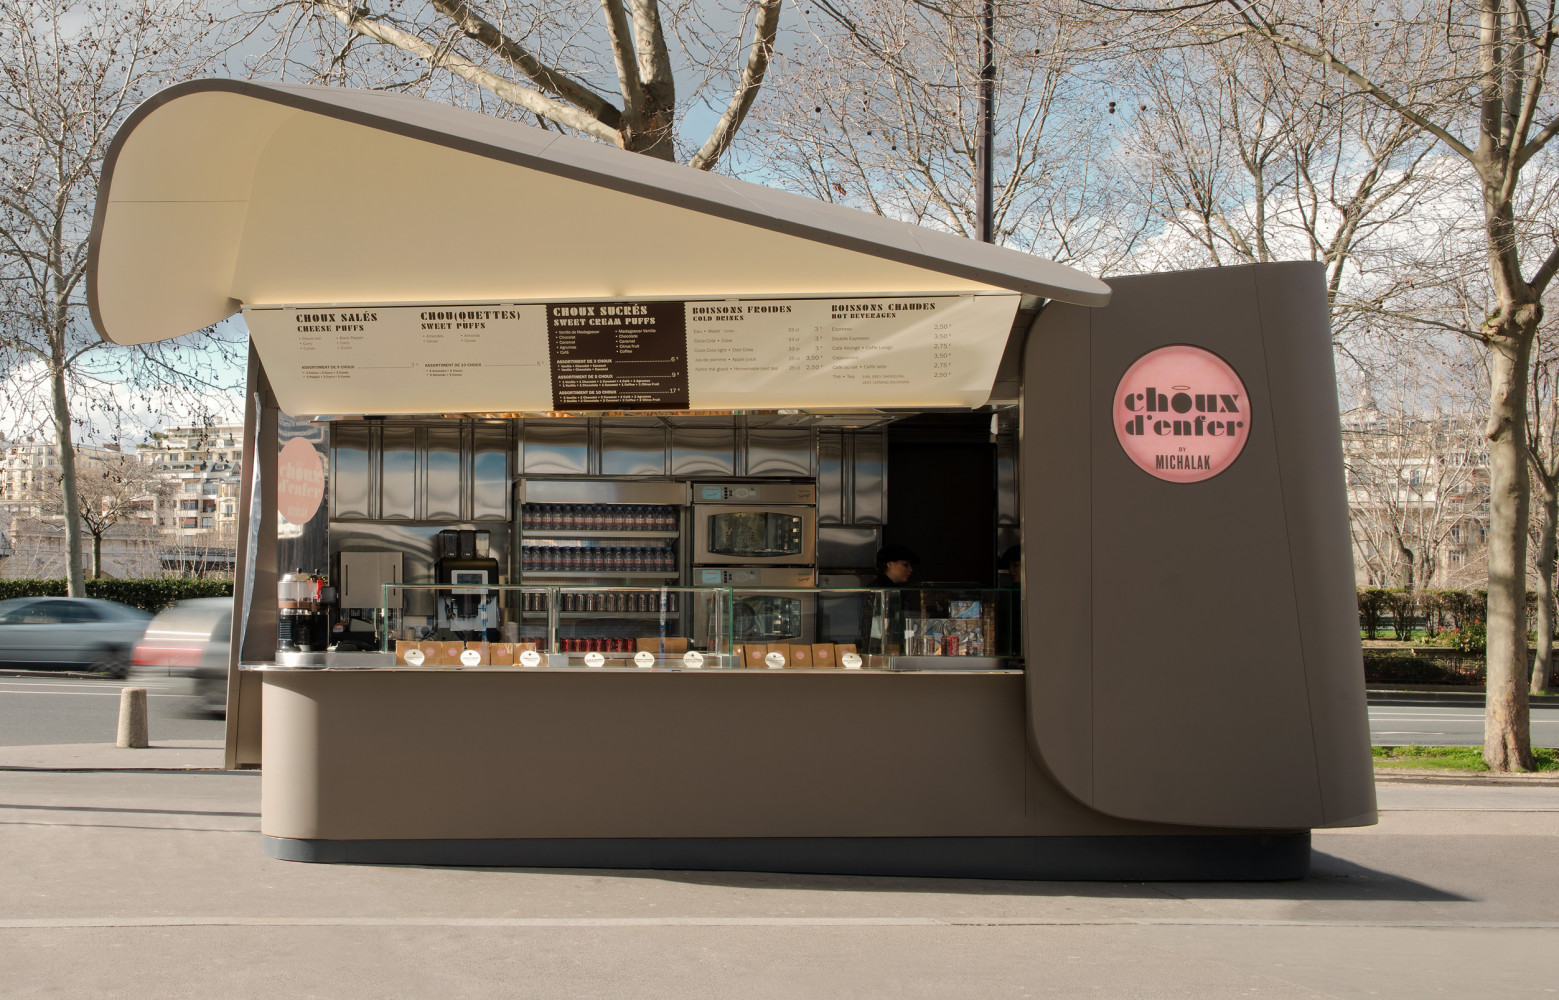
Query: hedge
{"points": [[1433, 611], [151, 594], [1402, 666]]}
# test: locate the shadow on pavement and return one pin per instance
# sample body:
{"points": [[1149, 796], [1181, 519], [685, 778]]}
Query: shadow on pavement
{"points": [[1332, 879]]}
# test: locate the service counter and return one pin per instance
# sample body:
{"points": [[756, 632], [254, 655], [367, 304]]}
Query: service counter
{"points": [[866, 772]]}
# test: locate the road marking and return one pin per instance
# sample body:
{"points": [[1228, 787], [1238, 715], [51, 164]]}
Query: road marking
{"points": [[83, 923]]}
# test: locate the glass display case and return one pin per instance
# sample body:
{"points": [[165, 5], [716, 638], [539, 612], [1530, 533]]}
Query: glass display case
{"points": [[703, 628], [898, 628]]}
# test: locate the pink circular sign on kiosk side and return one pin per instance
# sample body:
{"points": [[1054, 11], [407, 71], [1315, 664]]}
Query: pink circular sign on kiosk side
{"points": [[1182, 414], [300, 481]]}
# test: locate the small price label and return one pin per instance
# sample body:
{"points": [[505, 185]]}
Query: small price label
{"points": [[471, 658], [530, 658], [594, 660], [644, 658], [693, 659], [851, 661], [414, 657], [775, 661]]}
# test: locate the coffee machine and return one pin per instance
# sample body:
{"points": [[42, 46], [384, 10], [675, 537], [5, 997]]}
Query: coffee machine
{"points": [[302, 625], [465, 570]]}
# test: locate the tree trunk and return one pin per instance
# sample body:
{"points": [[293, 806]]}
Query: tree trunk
{"points": [[74, 585], [1506, 735], [97, 555], [1547, 550]]}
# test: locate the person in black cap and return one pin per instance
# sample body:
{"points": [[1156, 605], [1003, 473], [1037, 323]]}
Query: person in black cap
{"points": [[895, 565]]}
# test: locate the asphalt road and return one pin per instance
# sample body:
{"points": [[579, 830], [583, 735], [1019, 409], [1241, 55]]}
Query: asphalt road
{"points": [[1449, 725], [52, 708]]}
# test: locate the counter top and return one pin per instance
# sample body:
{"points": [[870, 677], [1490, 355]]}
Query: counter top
{"points": [[572, 663]]}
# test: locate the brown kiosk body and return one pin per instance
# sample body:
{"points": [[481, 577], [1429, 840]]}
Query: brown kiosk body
{"points": [[446, 441]]}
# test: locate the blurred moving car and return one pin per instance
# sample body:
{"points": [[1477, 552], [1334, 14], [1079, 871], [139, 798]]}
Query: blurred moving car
{"points": [[191, 639], [73, 633]]}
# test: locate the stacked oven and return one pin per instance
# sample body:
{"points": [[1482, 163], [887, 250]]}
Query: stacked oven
{"points": [[760, 539]]}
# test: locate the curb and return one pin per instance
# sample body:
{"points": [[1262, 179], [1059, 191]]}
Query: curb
{"points": [[1396, 696], [1403, 776]]}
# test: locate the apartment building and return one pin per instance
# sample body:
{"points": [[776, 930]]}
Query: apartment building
{"points": [[189, 528], [203, 466], [1418, 497], [28, 465]]}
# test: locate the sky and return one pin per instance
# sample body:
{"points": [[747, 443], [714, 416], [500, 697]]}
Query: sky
{"points": [[124, 414]]}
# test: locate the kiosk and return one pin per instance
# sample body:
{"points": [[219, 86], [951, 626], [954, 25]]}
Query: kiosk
{"points": [[586, 456]]}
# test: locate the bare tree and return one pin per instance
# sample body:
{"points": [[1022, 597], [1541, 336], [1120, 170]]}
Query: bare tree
{"points": [[69, 72], [612, 79], [876, 110], [1474, 78], [1416, 484], [1248, 155], [1543, 453], [109, 491]]}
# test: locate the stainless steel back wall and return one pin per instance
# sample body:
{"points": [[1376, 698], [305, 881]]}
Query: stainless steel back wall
{"points": [[392, 470], [649, 446]]}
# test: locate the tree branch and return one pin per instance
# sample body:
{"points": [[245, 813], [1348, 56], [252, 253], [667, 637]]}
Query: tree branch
{"points": [[654, 58], [747, 89], [1545, 274], [484, 32], [628, 82], [1336, 65], [530, 100]]}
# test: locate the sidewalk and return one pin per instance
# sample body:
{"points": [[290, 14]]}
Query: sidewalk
{"points": [[136, 883]]}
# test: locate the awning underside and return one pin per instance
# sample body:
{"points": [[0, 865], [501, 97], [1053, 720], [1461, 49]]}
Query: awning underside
{"points": [[220, 194]]}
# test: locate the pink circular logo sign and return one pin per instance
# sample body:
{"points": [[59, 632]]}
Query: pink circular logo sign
{"points": [[300, 481], [1182, 414]]}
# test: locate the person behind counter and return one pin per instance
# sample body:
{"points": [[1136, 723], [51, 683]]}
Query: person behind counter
{"points": [[1012, 561], [895, 565]]}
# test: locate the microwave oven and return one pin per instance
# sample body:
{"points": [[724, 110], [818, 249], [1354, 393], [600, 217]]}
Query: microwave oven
{"points": [[764, 608], [757, 524]]}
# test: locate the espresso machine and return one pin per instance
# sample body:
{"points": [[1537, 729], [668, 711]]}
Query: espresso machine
{"points": [[465, 571], [302, 624]]}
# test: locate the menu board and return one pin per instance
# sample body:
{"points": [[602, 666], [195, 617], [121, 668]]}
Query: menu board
{"points": [[618, 355], [654, 354]]}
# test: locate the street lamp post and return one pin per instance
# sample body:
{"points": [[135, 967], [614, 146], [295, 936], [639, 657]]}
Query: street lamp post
{"points": [[986, 124]]}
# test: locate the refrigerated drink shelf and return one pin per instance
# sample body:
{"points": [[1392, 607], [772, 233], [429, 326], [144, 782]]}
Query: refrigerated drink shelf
{"points": [[599, 574], [539, 533], [636, 615]]}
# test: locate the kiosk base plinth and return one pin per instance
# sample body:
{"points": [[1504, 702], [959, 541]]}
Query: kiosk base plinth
{"points": [[1243, 857]]}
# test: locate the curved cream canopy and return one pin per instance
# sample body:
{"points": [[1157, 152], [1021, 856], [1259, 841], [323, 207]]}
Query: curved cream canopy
{"points": [[219, 194]]}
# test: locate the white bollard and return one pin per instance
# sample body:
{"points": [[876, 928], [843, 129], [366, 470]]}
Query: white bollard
{"points": [[132, 719]]}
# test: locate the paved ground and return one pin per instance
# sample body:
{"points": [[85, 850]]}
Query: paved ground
{"points": [[139, 883]]}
